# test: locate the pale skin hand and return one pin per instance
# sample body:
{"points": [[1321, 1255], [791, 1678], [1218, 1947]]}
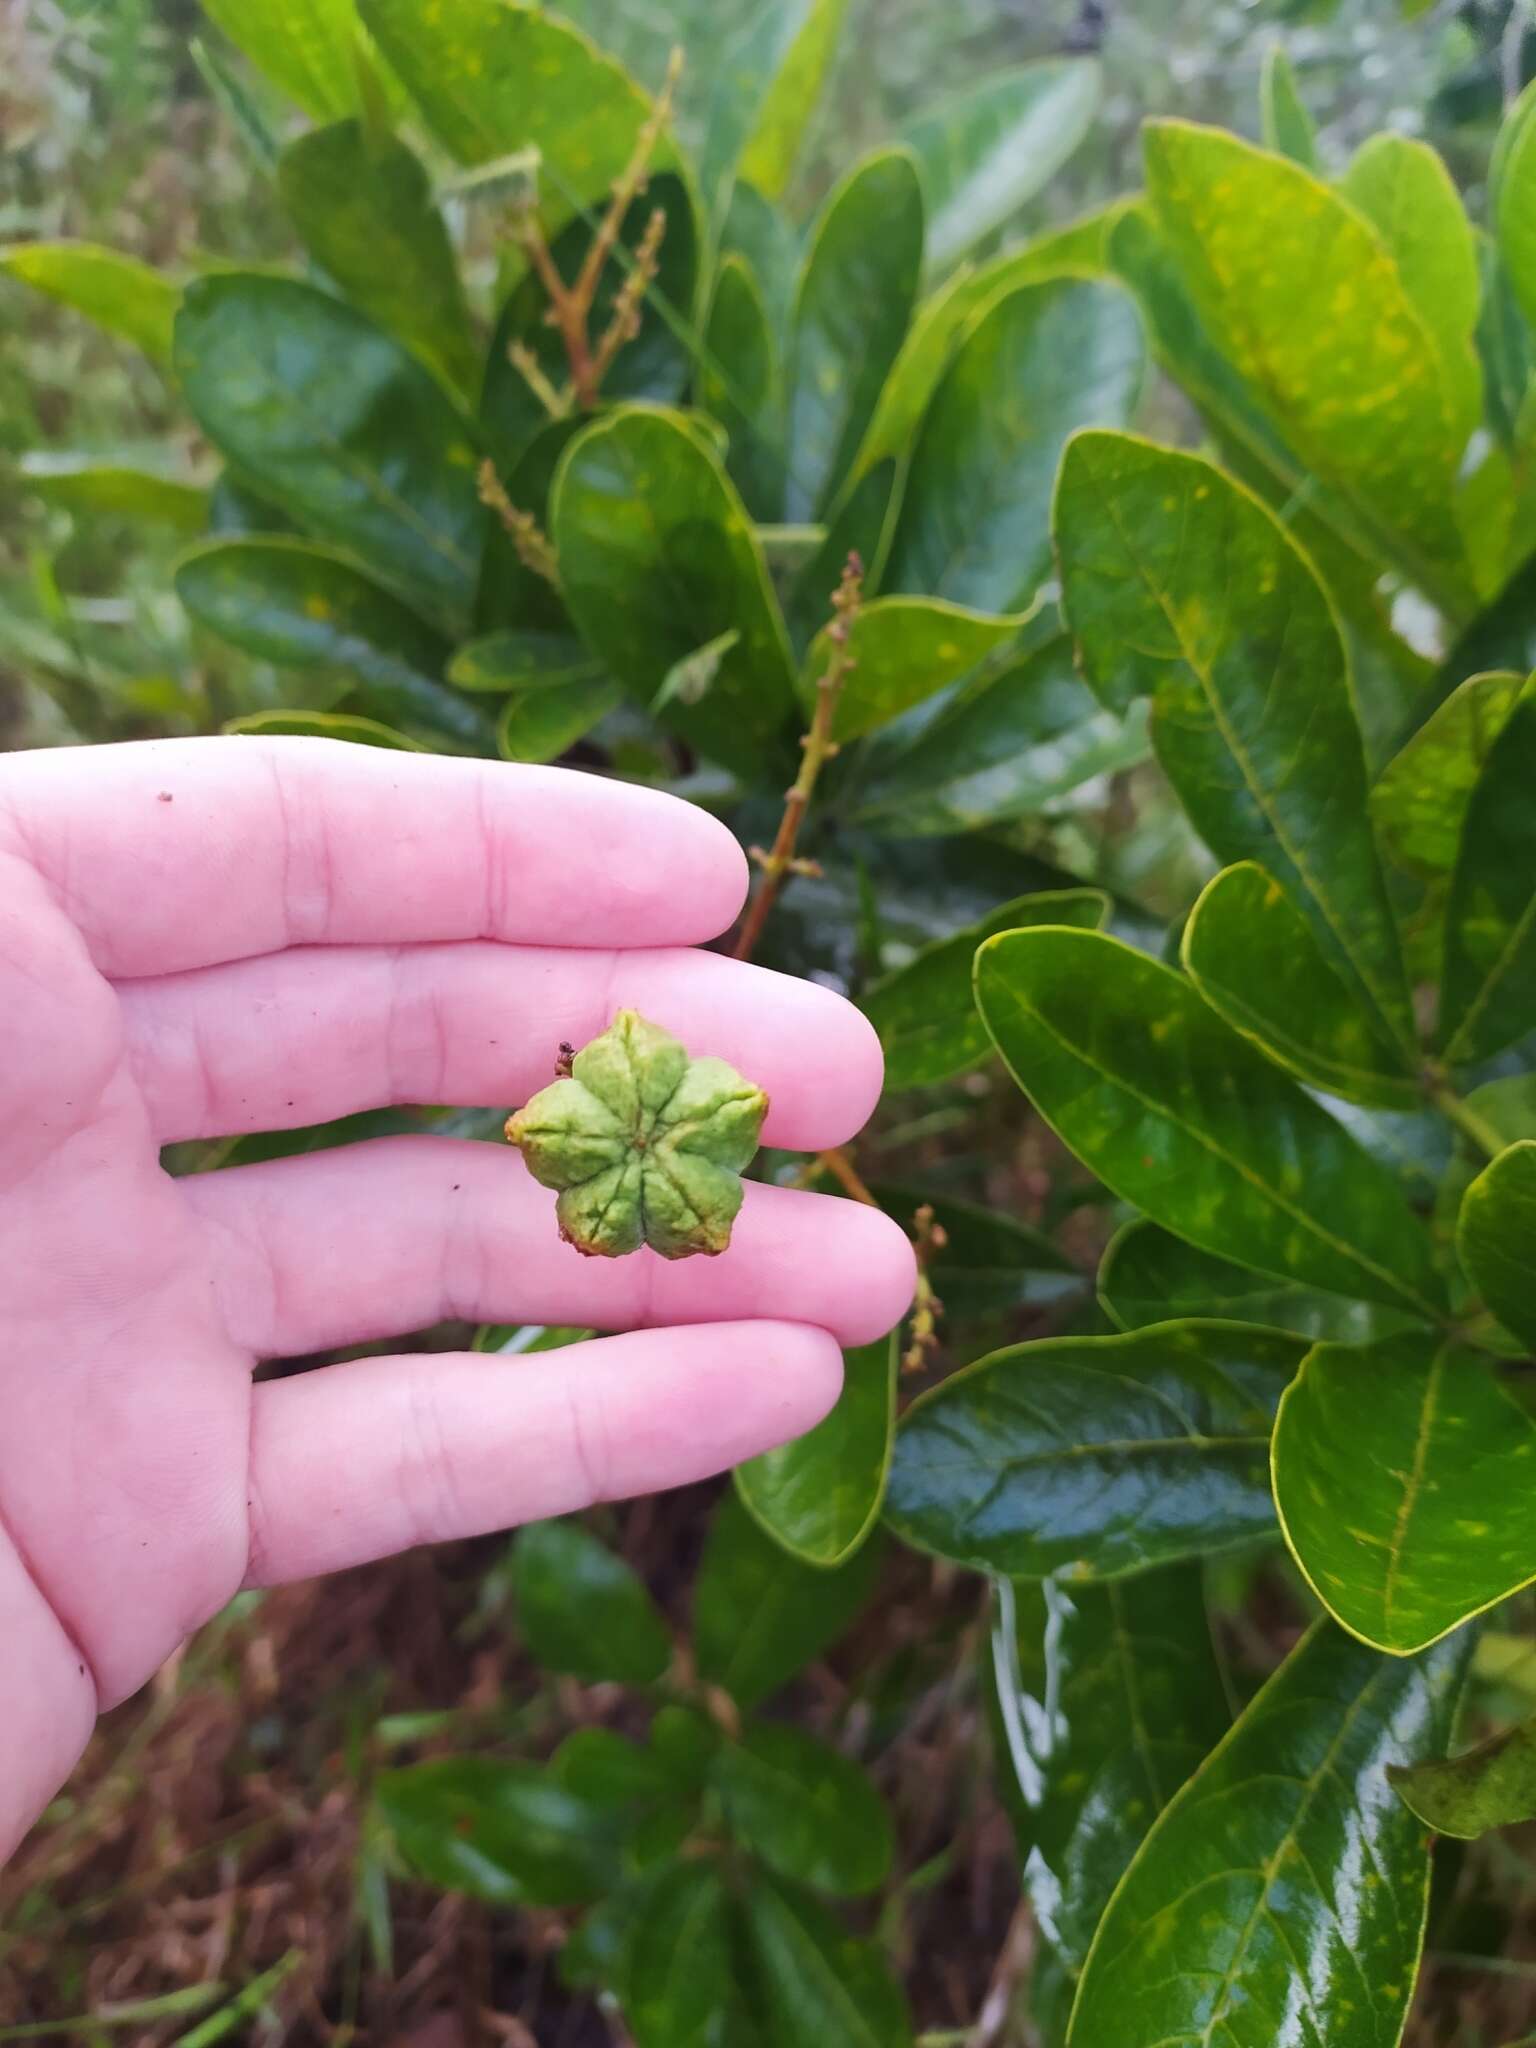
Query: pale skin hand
{"points": [[207, 937]]}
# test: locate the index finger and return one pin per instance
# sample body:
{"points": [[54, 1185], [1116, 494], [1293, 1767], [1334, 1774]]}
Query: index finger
{"points": [[171, 854]]}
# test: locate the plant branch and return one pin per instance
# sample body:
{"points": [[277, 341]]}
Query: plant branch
{"points": [[624, 324], [570, 305], [534, 548], [846, 1174], [929, 1237], [522, 358], [817, 748], [630, 182]]}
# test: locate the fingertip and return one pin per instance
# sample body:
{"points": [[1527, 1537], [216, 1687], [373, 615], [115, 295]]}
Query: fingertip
{"points": [[686, 1401], [826, 1058], [625, 866], [701, 874], [808, 1363], [726, 869], [858, 1071], [882, 1272]]}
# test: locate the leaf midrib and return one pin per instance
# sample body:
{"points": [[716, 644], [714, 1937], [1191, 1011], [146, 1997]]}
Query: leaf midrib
{"points": [[1413, 1488], [1217, 1152], [1272, 1864], [1245, 766]]}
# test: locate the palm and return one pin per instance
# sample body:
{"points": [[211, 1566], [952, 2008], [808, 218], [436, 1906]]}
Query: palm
{"points": [[207, 938]]}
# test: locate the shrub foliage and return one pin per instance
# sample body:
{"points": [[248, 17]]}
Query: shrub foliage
{"points": [[555, 450]]}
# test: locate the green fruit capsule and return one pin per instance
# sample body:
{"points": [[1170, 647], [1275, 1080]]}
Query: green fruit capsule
{"points": [[644, 1144]]}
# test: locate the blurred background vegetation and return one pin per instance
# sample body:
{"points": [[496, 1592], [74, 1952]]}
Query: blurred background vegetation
{"points": [[115, 125], [214, 1834]]}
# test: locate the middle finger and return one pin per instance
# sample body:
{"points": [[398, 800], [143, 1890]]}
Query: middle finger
{"points": [[297, 1038]]}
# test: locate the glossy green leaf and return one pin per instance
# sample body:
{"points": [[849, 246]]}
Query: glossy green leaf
{"points": [[815, 1985], [905, 649], [1387, 672], [820, 1495], [1140, 256], [930, 343], [943, 316], [492, 78], [941, 319], [765, 92], [541, 725], [1148, 1275], [535, 659], [81, 483], [741, 384], [1078, 248], [1496, 1236], [1180, 1115], [364, 209], [583, 1610], [327, 725], [1038, 363], [1178, 582], [1407, 194], [677, 1979], [1095, 1456], [1254, 236], [1252, 955], [1107, 1697], [1491, 1786], [857, 290], [304, 46], [654, 364], [1004, 746], [1249, 1916], [250, 119], [811, 1813], [1488, 988], [118, 292], [657, 557], [926, 1012], [654, 1807], [761, 235], [1514, 201], [297, 604], [1504, 344], [1288, 127], [339, 426], [686, 681], [986, 151], [1419, 801], [237, 512], [759, 1614], [1496, 505], [609, 1770], [685, 1740], [1393, 1467], [505, 1832]]}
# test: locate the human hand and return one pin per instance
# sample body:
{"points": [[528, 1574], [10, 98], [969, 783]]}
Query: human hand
{"points": [[215, 936]]}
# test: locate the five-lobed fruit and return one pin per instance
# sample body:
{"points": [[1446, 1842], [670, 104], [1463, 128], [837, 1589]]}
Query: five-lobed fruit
{"points": [[645, 1145]]}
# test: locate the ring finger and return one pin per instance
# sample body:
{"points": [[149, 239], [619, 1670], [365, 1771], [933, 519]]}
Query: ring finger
{"points": [[377, 1239]]}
